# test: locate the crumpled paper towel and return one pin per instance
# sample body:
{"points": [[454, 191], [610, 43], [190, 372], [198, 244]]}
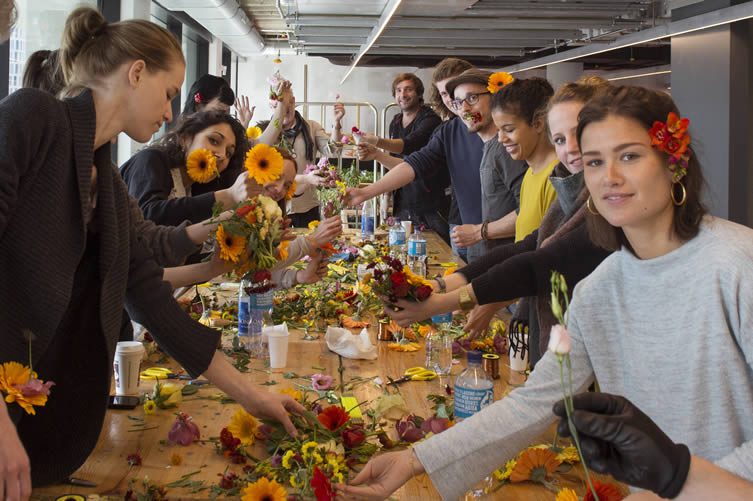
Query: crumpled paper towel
{"points": [[342, 342]]}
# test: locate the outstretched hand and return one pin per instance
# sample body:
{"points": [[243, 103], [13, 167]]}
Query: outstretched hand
{"points": [[382, 475]]}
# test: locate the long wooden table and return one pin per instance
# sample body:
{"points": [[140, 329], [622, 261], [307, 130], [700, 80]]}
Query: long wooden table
{"points": [[107, 466]]}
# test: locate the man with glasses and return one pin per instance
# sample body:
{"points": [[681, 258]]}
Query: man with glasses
{"points": [[423, 200]]}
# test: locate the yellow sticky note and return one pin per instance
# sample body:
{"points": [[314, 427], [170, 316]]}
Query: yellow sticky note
{"points": [[447, 265], [350, 404]]}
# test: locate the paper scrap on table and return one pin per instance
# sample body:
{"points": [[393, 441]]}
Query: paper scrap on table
{"points": [[344, 343], [447, 265], [350, 404]]}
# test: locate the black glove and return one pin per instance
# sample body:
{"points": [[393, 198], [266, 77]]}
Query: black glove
{"points": [[618, 439]]}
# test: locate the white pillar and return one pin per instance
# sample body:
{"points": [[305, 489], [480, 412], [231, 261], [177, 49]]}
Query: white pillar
{"points": [[560, 73], [131, 9], [215, 57]]}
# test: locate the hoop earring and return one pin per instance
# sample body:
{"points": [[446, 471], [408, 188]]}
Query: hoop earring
{"points": [[684, 194], [591, 209]]}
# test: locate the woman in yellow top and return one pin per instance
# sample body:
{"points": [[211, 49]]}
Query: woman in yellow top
{"points": [[519, 112]]}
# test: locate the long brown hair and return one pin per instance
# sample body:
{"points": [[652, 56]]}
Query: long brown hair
{"points": [[645, 107], [447, 68], [92, 48]]}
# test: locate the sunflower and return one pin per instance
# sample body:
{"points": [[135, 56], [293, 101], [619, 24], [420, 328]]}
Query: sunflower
{"points": [[282, 250], [503, 474], [566, 495], [498, 80], [14, 377], [244, 427], [264, 490], [313, 224], [535, 465], [264, 163], [568, 455], [253, 132], [291, 191], [231, 246], [201, 166]]}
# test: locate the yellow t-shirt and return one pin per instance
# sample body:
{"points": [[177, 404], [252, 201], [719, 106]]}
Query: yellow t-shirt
{"points": [[536, 195]]}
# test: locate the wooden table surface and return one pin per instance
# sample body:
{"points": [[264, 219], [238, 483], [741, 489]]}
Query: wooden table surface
{"points": [[108, 468]]}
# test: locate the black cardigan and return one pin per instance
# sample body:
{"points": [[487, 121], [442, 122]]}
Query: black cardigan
{"points": [[45, 166]]}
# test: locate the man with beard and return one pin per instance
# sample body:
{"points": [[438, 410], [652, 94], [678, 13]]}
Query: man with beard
{"points": [[423, 200]]}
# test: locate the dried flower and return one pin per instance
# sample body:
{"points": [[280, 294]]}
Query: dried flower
{"points": [[184, 431], [134, 459]]}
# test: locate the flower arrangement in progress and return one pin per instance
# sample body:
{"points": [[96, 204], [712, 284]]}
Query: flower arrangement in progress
{"points": [[392, 279], [332, 189]]}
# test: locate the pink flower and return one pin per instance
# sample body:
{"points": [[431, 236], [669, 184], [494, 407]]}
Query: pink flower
{"points": [[560, 342], [345, 140], [323, 162], [321, 382], [409, 429], [184, 431], [35, 387], [435, 425], [310, 168]]}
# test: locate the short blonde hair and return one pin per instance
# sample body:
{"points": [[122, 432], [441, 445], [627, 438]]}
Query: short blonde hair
{"points": [[92, 48]]}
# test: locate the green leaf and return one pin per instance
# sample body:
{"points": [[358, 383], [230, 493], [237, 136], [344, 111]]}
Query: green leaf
{"points": [[189, 389]]}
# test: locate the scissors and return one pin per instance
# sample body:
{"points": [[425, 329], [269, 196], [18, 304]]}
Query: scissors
{"points": [[162, 373], [416, 374]]}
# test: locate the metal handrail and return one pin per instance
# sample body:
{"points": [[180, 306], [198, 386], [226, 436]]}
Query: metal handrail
{"points": [[384, 198]]}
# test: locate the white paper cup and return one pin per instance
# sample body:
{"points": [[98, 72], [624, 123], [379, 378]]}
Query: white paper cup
{"points": [[408, 227], [278, 349], [127, 366]]}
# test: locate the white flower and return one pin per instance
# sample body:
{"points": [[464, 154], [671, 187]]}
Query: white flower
{"points": [[560, 342], [271, 208]]}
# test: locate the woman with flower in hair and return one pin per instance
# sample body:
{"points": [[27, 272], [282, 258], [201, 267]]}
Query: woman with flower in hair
{"points": [[213, 93], [664, 321], [67, 241], [162, 176]]}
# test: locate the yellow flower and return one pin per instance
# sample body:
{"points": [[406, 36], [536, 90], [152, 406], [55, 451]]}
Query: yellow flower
{"points": [[264, 490], [306, 448], [339, 477], [149, 407], [404, 347], [13, 374], [566, 494], [294, 394], [231, 246], [568, 455], [286, 459], [503, 475], [253, 132], [449, 271], [414, 279], [176, 459], [313, 224], [294, 482], [243, 426], [201, 166], [291, 191], [317, 457], [282, 250], [498, 80], [264, 163], [424, 330]]}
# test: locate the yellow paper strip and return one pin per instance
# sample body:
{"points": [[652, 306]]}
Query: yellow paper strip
{"points": [[350, 404]]}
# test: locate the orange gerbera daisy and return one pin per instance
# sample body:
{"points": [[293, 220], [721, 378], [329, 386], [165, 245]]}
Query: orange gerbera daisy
{"points": [[253, 132], [498, 80], [264, 163], [291, 191], [534, 464], [231, 246], [201, 166], [606, 492], [264, 490]]}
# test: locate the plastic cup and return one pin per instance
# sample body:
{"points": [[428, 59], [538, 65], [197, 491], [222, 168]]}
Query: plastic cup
{"points": [[127, 366], [408, 227], [278, 349]]}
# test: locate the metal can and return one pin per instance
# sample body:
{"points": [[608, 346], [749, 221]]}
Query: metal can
{"points": [[491, 365]]}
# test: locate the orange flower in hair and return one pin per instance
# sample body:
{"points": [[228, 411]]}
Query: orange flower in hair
{"points": [[201, 166], [498, 80], [673, 139]]}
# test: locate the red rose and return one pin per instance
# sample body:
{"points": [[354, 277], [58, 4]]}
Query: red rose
{"points": [[242, 211], [353, 437], [322, 486], [399, 284], [423, 292], [354, 129], [333, 417]]}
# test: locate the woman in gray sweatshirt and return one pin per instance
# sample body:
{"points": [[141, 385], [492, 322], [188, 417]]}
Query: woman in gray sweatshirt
{"points": [[665, 320]]}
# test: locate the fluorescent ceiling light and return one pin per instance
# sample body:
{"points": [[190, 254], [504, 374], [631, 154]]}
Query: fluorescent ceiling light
{"points": [[387, 13], [663, 72], [719, 17]]}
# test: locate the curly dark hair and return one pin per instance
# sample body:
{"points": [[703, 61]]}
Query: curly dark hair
{"points": [[190, 125], [645, 107], [526, 98], [207, 87]]}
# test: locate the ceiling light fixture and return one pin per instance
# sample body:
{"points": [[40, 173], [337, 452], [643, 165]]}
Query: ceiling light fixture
{"points": [[708, 20], [387, 13], [663, 72]]}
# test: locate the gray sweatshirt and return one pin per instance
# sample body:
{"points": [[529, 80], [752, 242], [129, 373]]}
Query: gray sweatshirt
{"points": [[673, 334]]}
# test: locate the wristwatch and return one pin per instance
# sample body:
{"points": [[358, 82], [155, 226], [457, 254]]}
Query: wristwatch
{"points": [[466, 302], [442, 284]]}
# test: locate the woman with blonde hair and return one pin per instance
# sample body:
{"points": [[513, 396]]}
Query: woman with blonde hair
{"points": [[68, 245]]}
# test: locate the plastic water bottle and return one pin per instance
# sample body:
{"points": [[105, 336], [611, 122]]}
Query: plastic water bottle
{"points": [[417, 253], [367, 220], [243, 312], [439, 345], [473, 388], [259, 307], [397, 240]]}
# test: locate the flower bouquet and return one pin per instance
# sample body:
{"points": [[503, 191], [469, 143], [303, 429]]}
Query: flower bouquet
{"points": [[331, 192], [390, 278], [275, 82]]}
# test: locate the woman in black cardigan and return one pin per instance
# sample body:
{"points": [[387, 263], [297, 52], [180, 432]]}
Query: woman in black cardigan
{"points": [[69, 255]]}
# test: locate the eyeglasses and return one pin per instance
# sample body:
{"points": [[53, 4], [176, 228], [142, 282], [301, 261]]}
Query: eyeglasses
{"points": [[471, 99]]}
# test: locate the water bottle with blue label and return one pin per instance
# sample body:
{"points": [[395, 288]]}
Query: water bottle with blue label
{"points": [[397, 240], [243, 312], [439, 345], [417, 253], [367, 220], [473, 388], [259, 306]]}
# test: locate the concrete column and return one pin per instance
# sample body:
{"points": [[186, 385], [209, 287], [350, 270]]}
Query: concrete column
{"points": [[131, 9], [560, 73], [215, 57], [710, 74]]}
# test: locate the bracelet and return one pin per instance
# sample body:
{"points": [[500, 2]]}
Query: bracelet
{"points": [[442, 284], [485, 230]]}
